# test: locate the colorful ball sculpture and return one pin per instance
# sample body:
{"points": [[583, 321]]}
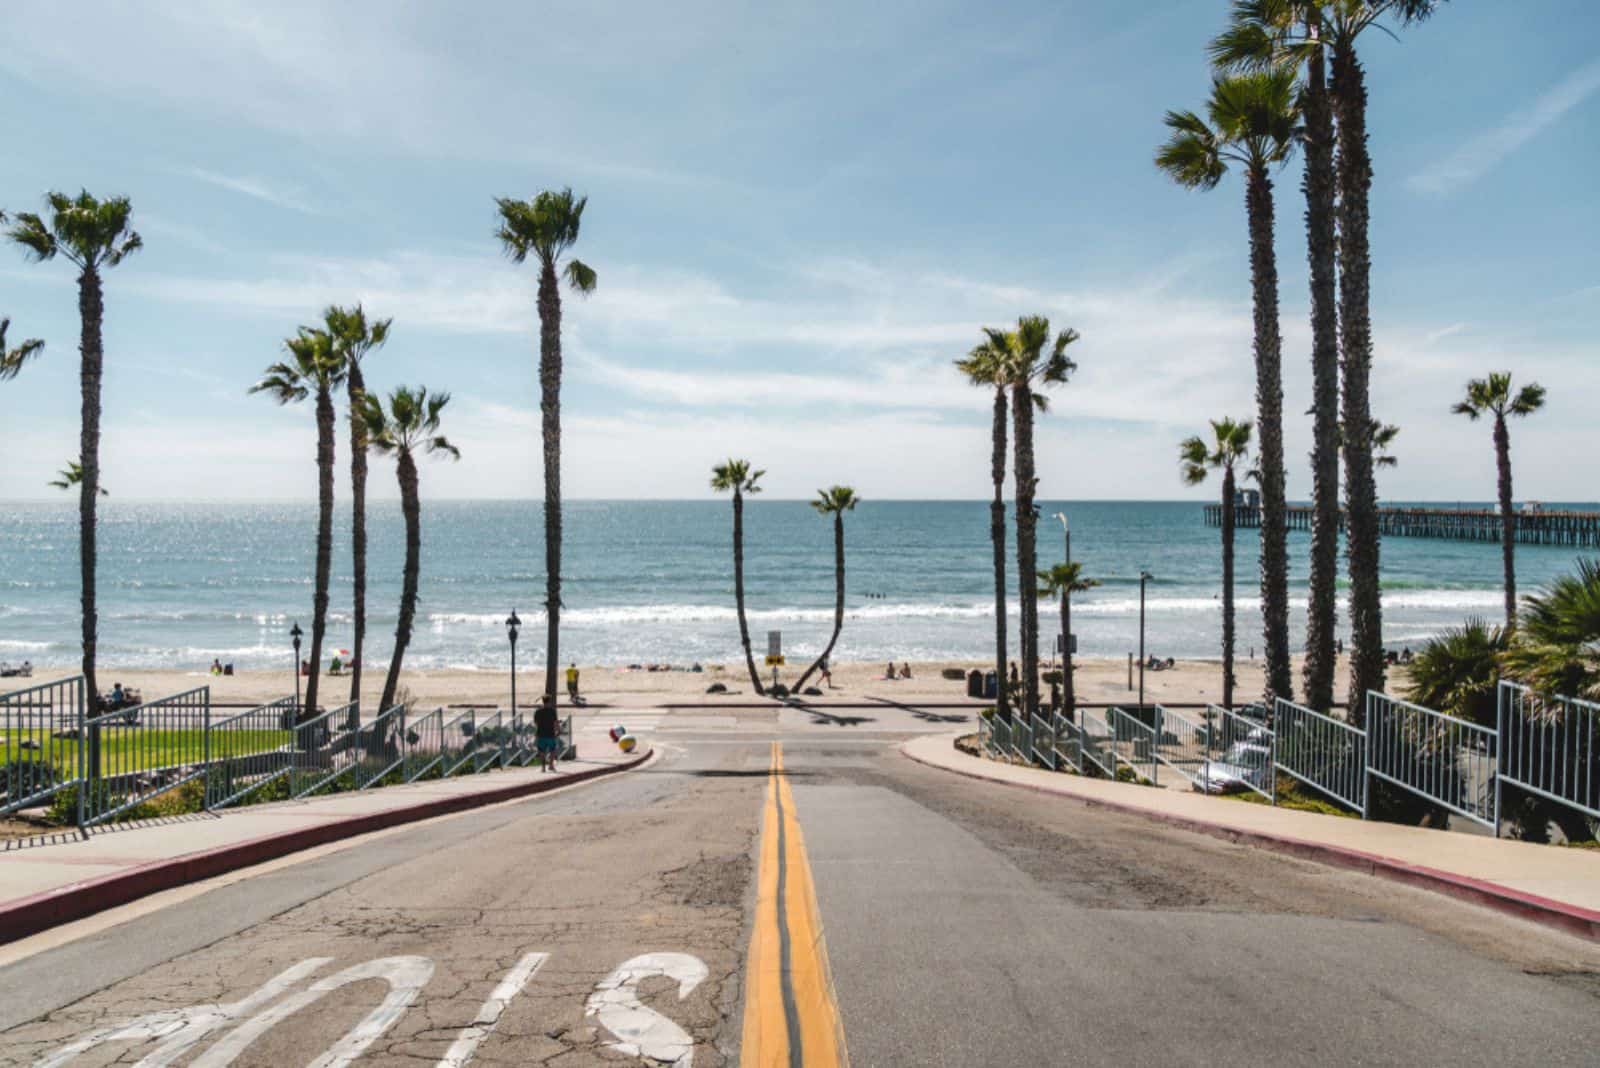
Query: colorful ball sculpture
{"points": [[627, 743]]}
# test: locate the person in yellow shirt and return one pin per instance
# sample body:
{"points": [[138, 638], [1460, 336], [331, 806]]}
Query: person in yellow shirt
{"points": [[572, 682]]}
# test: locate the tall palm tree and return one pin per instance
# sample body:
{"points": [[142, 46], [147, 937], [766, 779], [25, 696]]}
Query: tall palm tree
{"points": [[1064, 580], [409, 423], [1031, 360], [1260, 34], [1253, 118], [546, 228], [1493, 396], [834, 501], [984, 367], [11, 360], [92, 235], [737, 478], [313, 369], [72, 475], [1229, 447], [353, 337]]}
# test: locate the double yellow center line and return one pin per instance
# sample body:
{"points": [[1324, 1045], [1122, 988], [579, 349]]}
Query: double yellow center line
{"points": [[791, 1018]]}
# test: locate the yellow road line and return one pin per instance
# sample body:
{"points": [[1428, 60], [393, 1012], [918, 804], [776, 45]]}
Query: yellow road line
{"points": [[791, 1017]]}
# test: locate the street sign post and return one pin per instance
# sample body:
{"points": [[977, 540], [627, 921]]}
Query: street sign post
{"points": [[774, 653]]}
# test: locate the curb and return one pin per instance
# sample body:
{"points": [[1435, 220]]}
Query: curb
{"points": [[39, 912], [1572, 919]]}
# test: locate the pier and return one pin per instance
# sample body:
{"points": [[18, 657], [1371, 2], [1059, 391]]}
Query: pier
{"points": [[1541, 527]]}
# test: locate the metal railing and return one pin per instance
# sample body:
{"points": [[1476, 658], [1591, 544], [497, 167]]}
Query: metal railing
{"points": [[1244, 752], [1447, 760], [490, 749], [132, 755], [1067, 742], [425, 752], [1326, 754], [1184, 745], [383, 749], [40, 726], [1097, 740], [1133, 742], [460, 742], [1041, 741], [250, 752], [1549, 746], [326, 747]]}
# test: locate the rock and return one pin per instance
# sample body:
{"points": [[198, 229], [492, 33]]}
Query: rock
{"points": [[716, 687]]}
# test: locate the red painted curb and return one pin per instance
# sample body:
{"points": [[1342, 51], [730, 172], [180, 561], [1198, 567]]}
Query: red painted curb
{"points": [[30, 915], [1573, 919]]}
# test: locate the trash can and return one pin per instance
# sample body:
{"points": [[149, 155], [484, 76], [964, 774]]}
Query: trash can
{"points": [[975, 683], [991, 687]]}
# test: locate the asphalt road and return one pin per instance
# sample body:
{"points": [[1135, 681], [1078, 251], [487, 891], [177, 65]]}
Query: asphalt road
{"points": [[965, 924]]}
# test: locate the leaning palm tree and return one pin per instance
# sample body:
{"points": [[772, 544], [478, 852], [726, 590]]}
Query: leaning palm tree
{"points": [[1229, 447], [1493, 396], [834, 501], [545, 228], [409, 423], [1252, 122], [984, 367], [93, 235], [11, 360], [313, 369], [353, 337], [1031, 359], [1064, 580], [1335, 28], [72, 475], [737, 478]]}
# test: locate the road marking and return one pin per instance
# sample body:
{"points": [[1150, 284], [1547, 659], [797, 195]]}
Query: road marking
{"points": [[791, 1017], [466, 1044], [640, 1030]]}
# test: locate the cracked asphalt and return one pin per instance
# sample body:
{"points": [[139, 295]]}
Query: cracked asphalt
{"points": [[966, 924]]}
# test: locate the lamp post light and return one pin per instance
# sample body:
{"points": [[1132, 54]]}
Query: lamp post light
{"points": [[1144, 577], [1066, 538], [512, 623], [295, 634]]}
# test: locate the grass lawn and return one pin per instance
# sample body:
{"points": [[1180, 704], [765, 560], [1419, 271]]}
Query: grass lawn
{"points": [[129, 749]]}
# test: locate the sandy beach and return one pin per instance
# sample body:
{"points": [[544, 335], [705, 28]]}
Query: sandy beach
{"points": [[1099, 681]]}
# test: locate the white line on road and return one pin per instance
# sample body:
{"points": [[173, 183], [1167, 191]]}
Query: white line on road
{"points": [[466, 1044]]}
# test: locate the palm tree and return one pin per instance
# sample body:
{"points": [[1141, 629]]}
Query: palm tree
{"points": [[1252, 123], [72, 475], [1261, 34], [1493, 396], [11, 360], [410, 423], [1458, 671], [1028, 365], [353, 337], [1229, 447], [834, 501], [984, 366], [313, 368], [93, 235], [1557, 641], [735, 477], [1064, 580], [546, 227]]}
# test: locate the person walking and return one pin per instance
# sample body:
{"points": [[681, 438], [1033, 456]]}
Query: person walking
{"points": [[546, 732], [572, 682]]}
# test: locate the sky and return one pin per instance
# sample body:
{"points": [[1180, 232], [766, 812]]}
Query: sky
{"points": [[799, 214]]}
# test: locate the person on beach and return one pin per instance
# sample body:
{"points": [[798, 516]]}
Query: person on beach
{"points": [[546, 729], [118, 698], [572, 682], [827, 676], [216, 667], [888, 672], [905, 671]]}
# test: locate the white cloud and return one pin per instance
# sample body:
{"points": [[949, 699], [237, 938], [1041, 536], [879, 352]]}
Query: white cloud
{"points": [[1480, 154], [256, 188]]}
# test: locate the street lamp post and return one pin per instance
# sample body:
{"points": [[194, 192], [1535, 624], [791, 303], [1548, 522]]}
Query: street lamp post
{"points": [[295, 634], [1144, 577], [1066, 638], [512, 623]]}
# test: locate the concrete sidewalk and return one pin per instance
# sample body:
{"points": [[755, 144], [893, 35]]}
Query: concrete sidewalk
{"points": [[68, 878], [1552, 885]]}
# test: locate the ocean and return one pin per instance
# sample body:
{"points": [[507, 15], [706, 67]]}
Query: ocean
{"points": [[652, 581]]}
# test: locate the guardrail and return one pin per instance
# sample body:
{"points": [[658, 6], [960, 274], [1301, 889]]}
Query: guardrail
{"points": [[1244, 753], [1326, 754], [1042, 741], [1549, 746], [131, 755], [1067, 742], [249, 752], [40, 725], [1133, 742], [1097, 740], [1184, 745], [1446, 760]]}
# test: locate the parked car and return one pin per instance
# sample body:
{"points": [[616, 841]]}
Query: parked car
{"points": [[1245, 766]]}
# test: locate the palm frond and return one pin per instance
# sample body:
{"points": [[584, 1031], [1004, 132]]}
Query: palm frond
{"points": [[581, 277], [11, 360]]}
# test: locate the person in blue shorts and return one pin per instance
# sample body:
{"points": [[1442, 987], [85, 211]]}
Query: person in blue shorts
{"points": [[546, 733]]}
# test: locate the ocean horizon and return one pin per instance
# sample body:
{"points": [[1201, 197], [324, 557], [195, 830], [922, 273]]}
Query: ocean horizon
{"points": [[650, 581]]}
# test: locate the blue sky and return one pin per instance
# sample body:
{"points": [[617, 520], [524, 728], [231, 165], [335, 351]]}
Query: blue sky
{"points": [[799, 215]]}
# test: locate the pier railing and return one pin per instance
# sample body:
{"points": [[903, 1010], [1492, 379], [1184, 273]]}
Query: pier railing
{"points": [[1541, 527]]}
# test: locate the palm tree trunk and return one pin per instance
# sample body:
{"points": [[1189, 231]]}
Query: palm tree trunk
{"points": [[738, 588], [91, 314], [550, 409], [1355, 358], [1027, 565], [1269, 418], [319, 595], [1508, 518], [1321, 252], [357, 387], [1227, 587], [997, 535], [407, 474], [838, 598]]}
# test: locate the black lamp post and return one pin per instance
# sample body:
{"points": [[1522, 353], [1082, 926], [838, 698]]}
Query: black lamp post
{"points": [[295, 634], [512, 623], [1144, 576]]}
